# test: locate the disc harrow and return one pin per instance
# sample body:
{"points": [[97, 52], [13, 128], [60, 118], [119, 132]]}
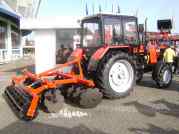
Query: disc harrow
{"points": [[28, 91]]}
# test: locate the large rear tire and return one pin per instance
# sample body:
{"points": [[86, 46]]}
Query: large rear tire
{"points": [[162, 75], [116, 75]]}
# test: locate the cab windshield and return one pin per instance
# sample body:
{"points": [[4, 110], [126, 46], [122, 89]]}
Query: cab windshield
{"points": [[91, 36], [130, 32], [120, 30]]}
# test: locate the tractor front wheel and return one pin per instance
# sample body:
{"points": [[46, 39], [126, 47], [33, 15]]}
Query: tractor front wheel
{"points": [[162, 75]]}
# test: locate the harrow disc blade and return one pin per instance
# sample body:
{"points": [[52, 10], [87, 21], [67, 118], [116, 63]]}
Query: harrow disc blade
{"points": [[54, 102], [90, 98]]}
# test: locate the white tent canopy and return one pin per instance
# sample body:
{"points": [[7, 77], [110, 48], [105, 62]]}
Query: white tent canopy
{"points": [[50, 22]]}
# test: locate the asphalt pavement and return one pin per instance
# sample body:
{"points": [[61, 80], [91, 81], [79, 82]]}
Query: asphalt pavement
{"points": [[148, 110]]}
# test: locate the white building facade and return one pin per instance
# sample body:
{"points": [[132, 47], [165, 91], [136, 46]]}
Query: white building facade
{"points": [[49, 36], [11, 12], [10, 47]]}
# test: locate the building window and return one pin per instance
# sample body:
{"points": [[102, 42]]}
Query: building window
{"points": [[15, 36], [3, 33]]}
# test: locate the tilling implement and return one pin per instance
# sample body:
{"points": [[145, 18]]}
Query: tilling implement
{"points": [[27, 91]]}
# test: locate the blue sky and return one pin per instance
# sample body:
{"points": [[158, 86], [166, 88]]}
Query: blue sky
{"points": [[152, 9]]}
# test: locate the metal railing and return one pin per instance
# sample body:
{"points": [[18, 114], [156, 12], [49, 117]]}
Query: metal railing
{"points": [[16, 54]]}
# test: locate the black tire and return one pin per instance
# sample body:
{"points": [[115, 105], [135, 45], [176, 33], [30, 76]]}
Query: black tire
{"points": [[139, 76], [90, 98], [159, 75], [104, 71], [156, 69], [53, 105]]}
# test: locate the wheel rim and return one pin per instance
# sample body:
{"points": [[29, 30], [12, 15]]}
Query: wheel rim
{"points": [[121, 76], [166, 76]]}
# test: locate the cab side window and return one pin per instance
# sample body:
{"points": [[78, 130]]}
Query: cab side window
{"points": [[92, 37]]}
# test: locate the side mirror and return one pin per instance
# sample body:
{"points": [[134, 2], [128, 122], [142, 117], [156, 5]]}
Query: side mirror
{"points": [[141, 28]]}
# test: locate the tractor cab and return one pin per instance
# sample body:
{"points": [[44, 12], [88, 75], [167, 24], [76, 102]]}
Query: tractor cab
{"points": [[103, 29]]}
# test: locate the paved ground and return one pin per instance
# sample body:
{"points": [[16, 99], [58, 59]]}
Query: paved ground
{"points": [[147, 110]]}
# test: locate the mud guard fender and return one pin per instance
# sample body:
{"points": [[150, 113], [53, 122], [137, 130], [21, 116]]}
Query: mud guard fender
{"points": [[96, 58]]}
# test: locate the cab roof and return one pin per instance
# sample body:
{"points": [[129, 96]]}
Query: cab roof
{"points": [[100, 16]]}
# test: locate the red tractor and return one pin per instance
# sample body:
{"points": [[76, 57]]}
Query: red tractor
{"points": [[109, 59], [115, 54]]}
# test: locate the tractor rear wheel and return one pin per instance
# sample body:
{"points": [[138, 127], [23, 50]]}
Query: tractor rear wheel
{"points": [[116, 75], [162, 75]]}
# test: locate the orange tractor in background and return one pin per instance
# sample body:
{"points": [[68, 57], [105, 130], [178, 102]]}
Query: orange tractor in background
{"points": [[109, 60], [156, 43]]}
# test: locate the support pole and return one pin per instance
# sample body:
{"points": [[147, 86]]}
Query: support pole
{"points": [[9, 42]]}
